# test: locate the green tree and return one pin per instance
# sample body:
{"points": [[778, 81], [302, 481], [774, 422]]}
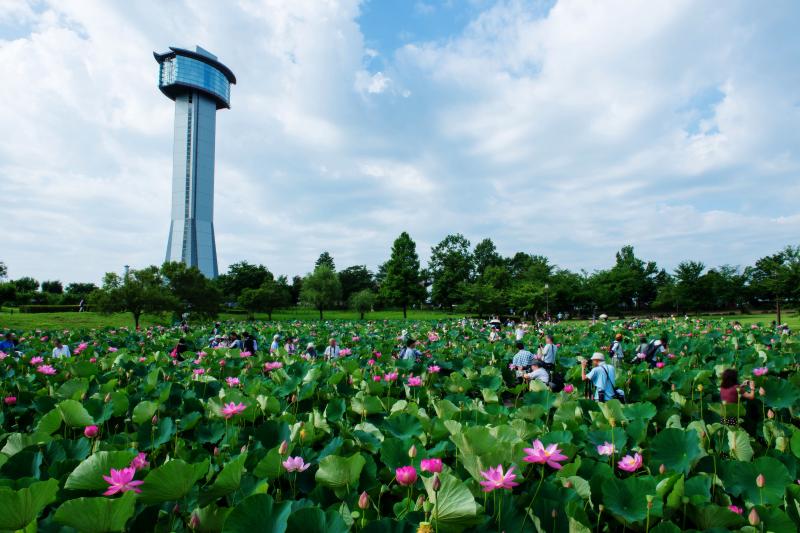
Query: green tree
{"points": [[402, 281], [26, 284], [138, 292], [354, 279], [3, 270], [52, 287], [325, 259], [363, 301], [295, 288], [272, 295], [776, 278], [241, 276], [688, 292], [192, 291], [488, 293], [451, 266], [485, 255], [8, 293], [321, 288]]}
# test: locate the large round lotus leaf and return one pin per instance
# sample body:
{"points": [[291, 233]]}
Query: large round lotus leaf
{"points": [[97, 515], [457, 508], [740, 480], [337, 472], [626, 498], [89, 474], [258, 514], [676, 449], [18, 508], [74, 414], [403, 425], [171, 481], [314, 520], [780, 393]]}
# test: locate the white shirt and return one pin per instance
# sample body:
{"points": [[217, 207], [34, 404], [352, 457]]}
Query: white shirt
{"points": [[520, 333], [332, 351], [540, 374], [61, 352]]}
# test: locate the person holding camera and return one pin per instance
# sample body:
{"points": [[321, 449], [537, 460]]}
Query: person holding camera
{"points": [[602, 376]]}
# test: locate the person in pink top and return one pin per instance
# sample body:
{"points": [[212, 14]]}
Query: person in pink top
{"points": [[730, 392]]}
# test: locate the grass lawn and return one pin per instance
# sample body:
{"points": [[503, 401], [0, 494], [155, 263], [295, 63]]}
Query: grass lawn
{"points": [[30, 321]]}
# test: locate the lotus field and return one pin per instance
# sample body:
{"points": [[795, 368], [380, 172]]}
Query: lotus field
{"points": [[122, 436]]}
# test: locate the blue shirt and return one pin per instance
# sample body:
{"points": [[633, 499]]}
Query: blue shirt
{"points": [[522, 358], [7, 347], [549, 353], [603, 377]]}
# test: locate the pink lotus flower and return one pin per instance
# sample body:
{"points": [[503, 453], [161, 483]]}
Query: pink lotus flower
{"points": [[112, 349], [660, 364], [36, 360], [433, 465], [376, 378], [414, 381], [433, 337], [671, 355], [606, 449], [371, 362], [356, 338], [222, 362], [295, 464], [82, 346], [232, 382], [640, 356], [122, 481], [44, 339], [434, 369], [630, 464], [10, 400], [47, 370], [3, 355], [199, 371], [551, 456], [90, 431], [231, 409], [139, 462], [93, 359], [245, 354], [142, 359], [760, 371], [569, 388], [391, 376], [406, 475], [496, 479], [737, 510], [272, 365], [345, 351]]}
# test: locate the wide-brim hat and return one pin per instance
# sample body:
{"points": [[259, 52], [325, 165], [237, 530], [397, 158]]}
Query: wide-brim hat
{"points": [[597, 356]]}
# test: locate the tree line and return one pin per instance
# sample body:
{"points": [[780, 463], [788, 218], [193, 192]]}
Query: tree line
{"points": [[458, 277]]}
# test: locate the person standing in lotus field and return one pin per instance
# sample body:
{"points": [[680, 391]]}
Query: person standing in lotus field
{"points": [[602, 376]]}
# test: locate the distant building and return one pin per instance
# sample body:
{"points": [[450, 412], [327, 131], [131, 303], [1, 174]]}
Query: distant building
{"points": [[199, 85]]}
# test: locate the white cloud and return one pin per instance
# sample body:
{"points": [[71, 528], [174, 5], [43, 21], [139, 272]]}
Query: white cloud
{"points": [[567, 132]]}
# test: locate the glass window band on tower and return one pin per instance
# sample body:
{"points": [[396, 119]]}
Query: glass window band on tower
{"points": [[186, 71]]}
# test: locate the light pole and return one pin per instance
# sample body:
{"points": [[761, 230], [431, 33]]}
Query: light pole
{"points": [[547, 299]]}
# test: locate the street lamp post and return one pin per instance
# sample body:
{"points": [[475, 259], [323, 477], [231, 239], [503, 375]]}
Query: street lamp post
{"points": [[547, 299]]}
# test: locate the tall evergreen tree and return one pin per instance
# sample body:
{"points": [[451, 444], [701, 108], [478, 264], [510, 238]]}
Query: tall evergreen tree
{"points": [[325, 259], [402, 282], [451, 267]]}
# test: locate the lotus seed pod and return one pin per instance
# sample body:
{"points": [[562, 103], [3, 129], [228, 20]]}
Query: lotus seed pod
{"points": [[425, 527], [601, 508], [427, 507], [612, 422], [760, 481], [753, 517], [363, 500], [700, 388], [649, 498], [412, 452], [685, 500]]}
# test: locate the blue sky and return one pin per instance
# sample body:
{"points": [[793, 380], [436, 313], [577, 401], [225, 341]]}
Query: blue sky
{"points": [[566, 128]]}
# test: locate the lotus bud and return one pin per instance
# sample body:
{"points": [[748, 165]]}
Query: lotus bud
{"points": [[770, 414], [437, 483], [753, 517], [243, 449], [674, 387], [420, 501], [293, 398], [176, 509], [284, 447], [662, 469], [612, 422], [216, 451], [154, 420], [303, 434], [567, 484], [761, 391], [363, 500], [194, 521], [685, 500], [384, 489], [601, 508], [760, 481], [107, 398], [412, 452]]}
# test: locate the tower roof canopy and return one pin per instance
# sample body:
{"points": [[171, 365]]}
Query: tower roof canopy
{"points": [[206, 58]]}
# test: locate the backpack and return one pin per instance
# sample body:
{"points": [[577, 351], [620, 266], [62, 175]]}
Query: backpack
{"points": [[619, 394], [556, 381], [650, 352]]}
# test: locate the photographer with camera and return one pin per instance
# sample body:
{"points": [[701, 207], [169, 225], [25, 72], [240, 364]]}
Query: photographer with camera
{"points": [[603, 377], [730, 393]]}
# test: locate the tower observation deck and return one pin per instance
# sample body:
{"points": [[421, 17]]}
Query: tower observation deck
{"points": [[199, 85]]}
